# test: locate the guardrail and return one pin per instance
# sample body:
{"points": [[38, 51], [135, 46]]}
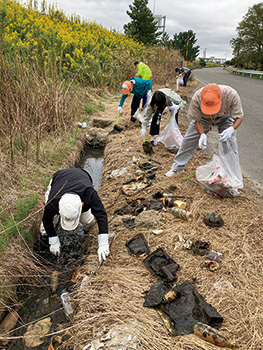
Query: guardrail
{"points": [[246, 73]]}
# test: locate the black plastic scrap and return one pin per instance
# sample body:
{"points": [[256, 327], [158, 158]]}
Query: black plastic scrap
{"points": [[214, 220], [200, 247], [129, 223], [162, 265], [135, 208], [188, 308], [138, 245]]}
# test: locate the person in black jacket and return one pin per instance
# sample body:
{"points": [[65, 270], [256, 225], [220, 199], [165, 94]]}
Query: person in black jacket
{"points": [[72, 197]]}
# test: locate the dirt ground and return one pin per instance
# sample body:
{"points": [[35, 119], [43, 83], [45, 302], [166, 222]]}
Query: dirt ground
{"points": [[115, 295]]}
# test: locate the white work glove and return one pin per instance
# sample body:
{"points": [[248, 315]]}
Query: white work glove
{"points": [[173, 108], [202, 141], [119, 109], [104, 249], [54, 245], [149, 94], [226, 134], [143, 132]]}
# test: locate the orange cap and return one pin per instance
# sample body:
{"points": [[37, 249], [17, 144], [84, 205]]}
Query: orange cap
{"points": [[126, 87], [211, 99]]}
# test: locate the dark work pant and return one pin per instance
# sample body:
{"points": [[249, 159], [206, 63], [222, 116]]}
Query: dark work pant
{"points": [[186, 77], [155, 129], [136, 103]]}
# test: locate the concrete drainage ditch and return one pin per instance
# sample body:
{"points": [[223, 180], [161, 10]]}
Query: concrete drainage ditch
{"points": [[41, 304]]}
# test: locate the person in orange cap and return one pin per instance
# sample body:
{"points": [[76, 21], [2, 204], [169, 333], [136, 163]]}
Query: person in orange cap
{"points": [[212, 105], [141, 88]]}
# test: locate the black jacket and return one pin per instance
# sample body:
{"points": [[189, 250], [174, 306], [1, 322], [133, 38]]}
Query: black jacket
{"points": [[76, 181]]}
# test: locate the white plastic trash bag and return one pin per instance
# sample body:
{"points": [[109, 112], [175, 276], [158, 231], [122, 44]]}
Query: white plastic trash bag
{"points": [[179, 81], [170, 136], [221, 176]]}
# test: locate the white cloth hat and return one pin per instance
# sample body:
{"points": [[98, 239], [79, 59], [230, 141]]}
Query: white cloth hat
{"points": [[70, 207]]}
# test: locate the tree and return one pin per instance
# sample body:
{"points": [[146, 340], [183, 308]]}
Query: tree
{"points": [[165, 41], [180, 43], [248, 46], [143, 27]]}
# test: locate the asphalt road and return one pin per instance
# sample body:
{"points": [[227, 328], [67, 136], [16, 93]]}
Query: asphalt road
{"points": [[250, 132]]}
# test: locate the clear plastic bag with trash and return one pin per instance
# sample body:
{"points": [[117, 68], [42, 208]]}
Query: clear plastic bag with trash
{"points": [[171, 136], [222, 176]]}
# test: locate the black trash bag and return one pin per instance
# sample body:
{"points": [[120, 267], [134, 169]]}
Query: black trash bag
{"points": [[138, 245], [162, 265], [186, 310], [155, 296]]}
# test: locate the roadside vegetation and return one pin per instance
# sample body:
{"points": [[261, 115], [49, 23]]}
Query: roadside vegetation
{"points": [[54, 70]]}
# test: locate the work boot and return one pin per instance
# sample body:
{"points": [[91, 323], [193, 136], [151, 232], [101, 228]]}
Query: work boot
{"points": [[133, 120]]}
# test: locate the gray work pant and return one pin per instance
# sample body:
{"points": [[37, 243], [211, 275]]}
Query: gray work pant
{"points": [[191, 138]]}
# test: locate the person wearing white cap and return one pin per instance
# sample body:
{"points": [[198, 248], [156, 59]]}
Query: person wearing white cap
{"points": [[72, 197]]}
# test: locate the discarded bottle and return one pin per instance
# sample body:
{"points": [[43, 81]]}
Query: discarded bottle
{"points": [[172, 202], [183, 214], [66, 303], [54, 281], [170, 296], [212, 335]]}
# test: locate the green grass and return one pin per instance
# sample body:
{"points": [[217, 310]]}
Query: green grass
{"points": [[13, 224]]}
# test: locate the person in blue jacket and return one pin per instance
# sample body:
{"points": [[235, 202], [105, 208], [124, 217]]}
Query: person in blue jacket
{"points": [[141, 89]]}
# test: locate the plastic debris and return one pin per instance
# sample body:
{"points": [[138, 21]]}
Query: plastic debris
{"points": [[35, 334], [138, 245], [212, 335], [214, 220]]}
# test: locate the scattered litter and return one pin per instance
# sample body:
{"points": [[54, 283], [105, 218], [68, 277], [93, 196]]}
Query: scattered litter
{"points": [[118, 172], [173, 202], [214, 220], [223, 286], [129, 223], [211, 265], [6, 325], [185, 244], [200, 248], [182, 214], [54, 281], [56, 341], [120, 337], [213, 255], [161, 265], [135, 187], [77, 274], [157, 232], [35, 334], [187, 308], [212, 335], [138, 245]]}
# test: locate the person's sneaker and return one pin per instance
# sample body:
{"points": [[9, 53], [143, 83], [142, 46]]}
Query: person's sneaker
{"points": [[152, 143], [172, 172], [133, 120]]}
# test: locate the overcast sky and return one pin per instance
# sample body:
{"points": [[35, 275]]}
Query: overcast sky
{"points": [[213, 21]]}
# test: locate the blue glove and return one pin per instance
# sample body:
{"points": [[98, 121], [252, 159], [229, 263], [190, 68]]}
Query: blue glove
{"points": [[226, 134], [119, 109]]}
